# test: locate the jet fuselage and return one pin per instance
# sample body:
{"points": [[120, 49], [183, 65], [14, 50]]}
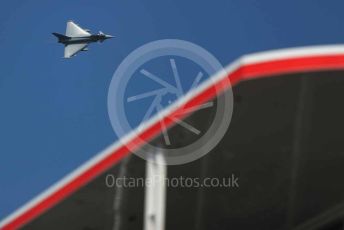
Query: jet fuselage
{"points": [[88, 39]]}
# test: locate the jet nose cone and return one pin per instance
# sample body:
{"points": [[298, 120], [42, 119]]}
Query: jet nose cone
{"points": [[109, 36]]}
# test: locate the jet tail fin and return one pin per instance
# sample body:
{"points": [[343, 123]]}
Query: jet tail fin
{"points": [[61, 37]]}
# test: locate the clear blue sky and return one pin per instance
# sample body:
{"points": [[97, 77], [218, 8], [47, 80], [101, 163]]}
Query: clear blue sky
{"points": [[53, 114]]}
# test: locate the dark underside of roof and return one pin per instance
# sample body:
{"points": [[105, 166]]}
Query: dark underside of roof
{"points": [[285, 143]]}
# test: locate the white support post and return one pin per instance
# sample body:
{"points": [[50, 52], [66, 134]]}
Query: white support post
{"points": [[155, 193]]}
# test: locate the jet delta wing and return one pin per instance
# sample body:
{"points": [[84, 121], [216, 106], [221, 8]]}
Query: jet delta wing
{"points": [[73, 49], [74, 30]]}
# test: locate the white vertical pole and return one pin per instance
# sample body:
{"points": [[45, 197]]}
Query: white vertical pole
{"points": [[155, 193]]}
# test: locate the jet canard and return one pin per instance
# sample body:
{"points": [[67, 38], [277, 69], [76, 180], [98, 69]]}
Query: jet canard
{"points": [[77, 39]]}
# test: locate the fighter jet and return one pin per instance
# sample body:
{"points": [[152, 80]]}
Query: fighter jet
{"points": [[77, 39]]}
